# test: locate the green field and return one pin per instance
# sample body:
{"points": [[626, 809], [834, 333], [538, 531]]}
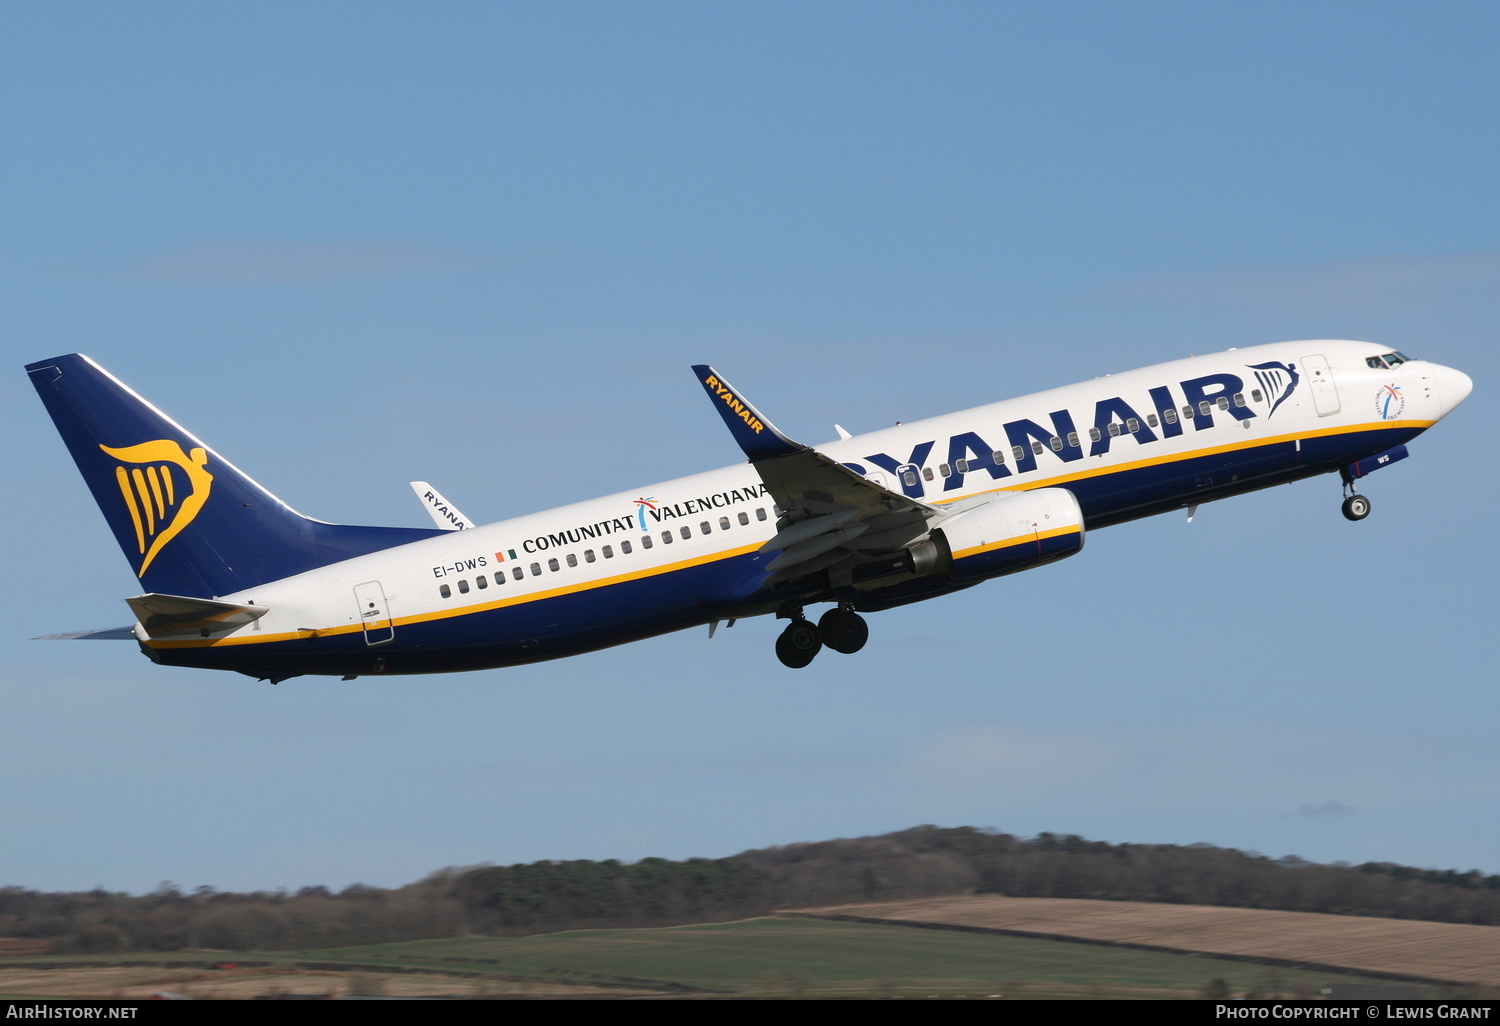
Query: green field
{"points": [[770, 957], [810, 957]]}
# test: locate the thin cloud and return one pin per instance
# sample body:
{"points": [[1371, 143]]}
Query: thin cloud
{"points": [[1327, 810], [1371, 284], [311, 263]]}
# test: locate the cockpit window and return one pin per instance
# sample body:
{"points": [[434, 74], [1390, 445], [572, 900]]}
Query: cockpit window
{"points": [[1388, 360]]}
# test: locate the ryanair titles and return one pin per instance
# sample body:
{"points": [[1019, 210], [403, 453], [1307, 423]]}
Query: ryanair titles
{"points": [[741, 410], [1158, 413]]}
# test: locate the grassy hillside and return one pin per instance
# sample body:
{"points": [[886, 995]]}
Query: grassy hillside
{"points": [[766, 957]]}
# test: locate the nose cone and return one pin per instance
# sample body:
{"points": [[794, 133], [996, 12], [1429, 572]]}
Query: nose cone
{"points": [[1454, 387]]}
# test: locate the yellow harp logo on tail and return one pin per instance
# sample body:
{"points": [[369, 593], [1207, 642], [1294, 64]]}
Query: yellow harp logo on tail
{"points": [[163, 491]]}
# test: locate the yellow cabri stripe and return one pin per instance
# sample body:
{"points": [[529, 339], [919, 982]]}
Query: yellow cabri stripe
{"points": [[166, 480], [161, 508], [1156, 461], [730, 553], [1015, 540], [145, 495], [122, 478], [444, 614]]}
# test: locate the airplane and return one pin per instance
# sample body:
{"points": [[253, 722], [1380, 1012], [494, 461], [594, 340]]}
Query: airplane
{"points": [[235, 579]]}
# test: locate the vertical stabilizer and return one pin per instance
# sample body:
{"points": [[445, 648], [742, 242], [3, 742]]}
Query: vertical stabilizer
{"points": [[189, 522]]}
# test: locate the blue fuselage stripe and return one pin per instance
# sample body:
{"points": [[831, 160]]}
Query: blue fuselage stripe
{"points": [[595, 618]]}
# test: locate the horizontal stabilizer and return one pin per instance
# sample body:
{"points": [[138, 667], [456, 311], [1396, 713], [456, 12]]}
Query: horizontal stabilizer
{"points": [[443, 512], [108, 634], [166, 617]]}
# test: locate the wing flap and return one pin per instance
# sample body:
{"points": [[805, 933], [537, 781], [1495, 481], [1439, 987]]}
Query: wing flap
{"points": [[830, 514]]}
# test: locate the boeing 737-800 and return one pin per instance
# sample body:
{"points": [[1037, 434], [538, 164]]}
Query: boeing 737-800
{"points": [[235, 579]]}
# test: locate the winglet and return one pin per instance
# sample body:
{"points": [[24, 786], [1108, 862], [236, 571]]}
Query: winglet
{"points": [[443, 512], [756, 436]]}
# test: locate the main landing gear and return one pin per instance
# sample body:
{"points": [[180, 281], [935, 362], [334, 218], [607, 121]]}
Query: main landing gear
{"points": [[841, 629]]}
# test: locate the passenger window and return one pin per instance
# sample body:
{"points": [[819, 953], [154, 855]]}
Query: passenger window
{"points": [[517, 572], [588, 555], [927, 473], [1187, 412], [536, 569], [609, 552], [552, 565], [1170, 416], [685, 531], [943, 470], [499, 577], [1239, 398], [703, 528], [744, 518], [1036, 448], [998, 457], [760, 513], [909, 477], [624, 548], [1018, 452], [1151, 419], [1223, 402], [572, 559], [1056, 443], [646, 541], [1095, 434], [666, 537], [1073, 439], [962, 466], [723, 523], [1256, 395], [1114, 429], [445, 591], [463, 587], [1204, 407], [482, 582], [1132, 425]]}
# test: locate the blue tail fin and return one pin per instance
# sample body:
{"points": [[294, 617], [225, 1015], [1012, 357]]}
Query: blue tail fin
{"points": [[189, 522]]}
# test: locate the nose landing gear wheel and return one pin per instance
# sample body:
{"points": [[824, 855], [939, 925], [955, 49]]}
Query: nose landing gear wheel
{"points": [[1356, 507], [798, 644], [843, 630]]}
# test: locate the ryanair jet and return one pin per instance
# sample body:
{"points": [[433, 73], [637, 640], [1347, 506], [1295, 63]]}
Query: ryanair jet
{"points": [[235, 579]]}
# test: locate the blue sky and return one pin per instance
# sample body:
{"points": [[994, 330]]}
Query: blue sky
{"points": [[353, 245]]}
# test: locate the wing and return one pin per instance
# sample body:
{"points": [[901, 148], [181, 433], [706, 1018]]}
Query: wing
{"points": [[831, 518]]}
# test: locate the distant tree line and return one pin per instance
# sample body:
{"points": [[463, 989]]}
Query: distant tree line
{"points": [[925, 861], [929, 860], [545, 896]]}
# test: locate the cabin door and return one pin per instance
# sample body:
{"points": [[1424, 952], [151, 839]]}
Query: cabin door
{"points": [[1320, 380], [374, 616]]}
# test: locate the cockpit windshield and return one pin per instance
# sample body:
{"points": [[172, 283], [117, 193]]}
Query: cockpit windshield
{"points": [[1392, 359]]}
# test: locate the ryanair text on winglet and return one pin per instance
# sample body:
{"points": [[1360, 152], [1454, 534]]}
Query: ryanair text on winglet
{"points": [[734, 403]]}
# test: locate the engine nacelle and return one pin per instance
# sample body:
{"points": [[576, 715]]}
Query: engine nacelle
{"points": [[1012, 531]]}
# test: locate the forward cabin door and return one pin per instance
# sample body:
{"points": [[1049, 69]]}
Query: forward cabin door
{"points": [[1320, 379], [373, 614]]}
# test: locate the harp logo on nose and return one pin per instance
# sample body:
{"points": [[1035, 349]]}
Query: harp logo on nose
{"points": [[163, 489]]}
